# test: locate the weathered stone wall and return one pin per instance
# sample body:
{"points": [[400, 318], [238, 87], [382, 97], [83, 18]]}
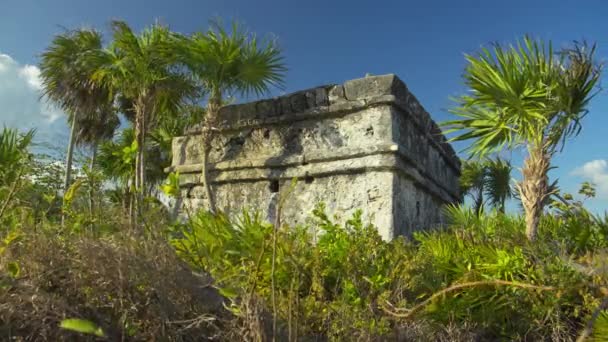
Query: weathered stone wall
{"points": [[367, 144]]}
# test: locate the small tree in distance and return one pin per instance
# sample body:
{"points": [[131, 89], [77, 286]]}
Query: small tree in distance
{"points": [[489, 179]]}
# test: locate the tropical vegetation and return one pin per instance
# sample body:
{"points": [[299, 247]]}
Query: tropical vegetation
{"points": [[491, 178], [234, 63], [101, 257], [530, 96]]}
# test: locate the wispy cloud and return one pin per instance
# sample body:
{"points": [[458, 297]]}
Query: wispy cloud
{"points": [[21, 105], [595, 171], [20, 94]]}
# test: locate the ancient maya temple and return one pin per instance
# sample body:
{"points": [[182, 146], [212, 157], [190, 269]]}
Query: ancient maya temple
{"points": [[366, 144]]}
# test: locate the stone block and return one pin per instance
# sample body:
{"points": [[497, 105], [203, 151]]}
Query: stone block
{"points": [[298, 102], [230, 113], [310, 99], [266, 108], [321, 97], [336, 93], [371, 86], [285, 105], [246, 112]]}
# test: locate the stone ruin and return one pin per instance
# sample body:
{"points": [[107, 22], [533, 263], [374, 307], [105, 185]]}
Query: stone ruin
{"points": [[366, 144]]}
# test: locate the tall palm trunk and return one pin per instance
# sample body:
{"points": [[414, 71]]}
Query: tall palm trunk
{"points": [[479, 202], [501, 208], [209, 123], [533, 188], [68, 163], [140, 113], [137, 180], [130, 205], [91, 190], [142, 155]]}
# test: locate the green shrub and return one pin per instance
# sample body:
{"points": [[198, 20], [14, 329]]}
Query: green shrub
{"points": [[342, 281]]}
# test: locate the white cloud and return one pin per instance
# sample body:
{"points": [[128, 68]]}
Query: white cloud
{"points": [[31, 74], [595, 171], [21, 105]]}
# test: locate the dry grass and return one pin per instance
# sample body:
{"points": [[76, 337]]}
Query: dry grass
{"points": [[134, 288]]}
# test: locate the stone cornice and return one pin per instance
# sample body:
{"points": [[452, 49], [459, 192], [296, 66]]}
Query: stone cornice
{"points": [[337, 100], [386, 157]]}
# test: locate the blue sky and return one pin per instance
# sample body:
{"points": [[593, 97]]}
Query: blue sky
{"points": [[423, 42]]}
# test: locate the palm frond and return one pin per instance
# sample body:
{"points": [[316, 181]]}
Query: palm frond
{"points": [[472, 182], [14, 152], [497, 183], [67, 72], [524, 94], [235, 61]]}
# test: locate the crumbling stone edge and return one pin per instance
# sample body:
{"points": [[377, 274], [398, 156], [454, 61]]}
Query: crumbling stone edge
{"points": [[334, 101]]}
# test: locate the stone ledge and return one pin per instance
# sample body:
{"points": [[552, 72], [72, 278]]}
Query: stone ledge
{"points": [[386, 157], [317, 156], [366, 165], [346, 107], [332, 100]]}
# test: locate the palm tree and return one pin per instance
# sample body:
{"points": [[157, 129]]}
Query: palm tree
{"points": [[66, 77], [526, 96], [141, 69], [497, 182], [490, 178], [116, 161], [235, 63], [91, 131], [472, 182]]}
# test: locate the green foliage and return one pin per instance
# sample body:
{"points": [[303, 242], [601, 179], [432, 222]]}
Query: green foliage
{"points": [[171, 186], [140, 70], [10, 238], [489, 177], [600, 329], [68, 197], [14, 158], [217, 245], [13, 269], [174, 124], [326, 279], [472, 181], [82, 326], [491, 247], [525, 94], [498, 182], [14, 153], [341, 280], [116, 158], [587, 190], [66, 71], [319, 283], [136, 64], [577, 229], [331, 279], [232, 61]]}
